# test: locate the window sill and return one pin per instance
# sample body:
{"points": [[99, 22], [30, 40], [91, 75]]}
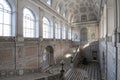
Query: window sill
{"points": [[30, 39], [7, 39], [45, 39]]}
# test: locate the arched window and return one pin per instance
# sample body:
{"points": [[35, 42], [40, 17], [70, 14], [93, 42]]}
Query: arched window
{"points": [[63, 14], [49, 2], [57, 31], [29, 26], [93, 36], [63, 32], [58, 9], [47, 28], [5, 19], [83, 18], [84, 34], [69, 33]]}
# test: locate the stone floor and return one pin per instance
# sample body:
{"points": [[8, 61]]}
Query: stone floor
{"points": [[84, 72], [92, 70]]}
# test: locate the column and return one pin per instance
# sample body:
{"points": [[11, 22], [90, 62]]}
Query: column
{"points": [[19, 39], [54, 28], [41, 14]]}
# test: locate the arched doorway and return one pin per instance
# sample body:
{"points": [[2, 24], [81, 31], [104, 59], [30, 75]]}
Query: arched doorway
{"points": [[48, 57]]}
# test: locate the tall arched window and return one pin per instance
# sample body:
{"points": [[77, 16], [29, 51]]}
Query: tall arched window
{"points": [[63, 32], [47, 28], [84, 34], [57, 31], [58, 9], [5, 19], [49, 2], [69, 33], [29, 26], [64, 14]]}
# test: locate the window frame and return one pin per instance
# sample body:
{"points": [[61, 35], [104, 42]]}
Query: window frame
{"points": [[31, 29], [57, 31], [6, 9], [49, 27]]}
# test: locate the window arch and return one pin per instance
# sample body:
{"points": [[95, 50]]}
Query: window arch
{"points": [[29, 25], [84, 34], [47, 28], [57, 30], [5, 19]]}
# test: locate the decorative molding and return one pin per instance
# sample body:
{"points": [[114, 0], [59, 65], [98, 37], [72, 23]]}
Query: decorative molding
{"points": [[48, 9]]}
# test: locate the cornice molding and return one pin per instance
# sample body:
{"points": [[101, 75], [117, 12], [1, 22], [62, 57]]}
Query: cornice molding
{"points": [[48, 9]]}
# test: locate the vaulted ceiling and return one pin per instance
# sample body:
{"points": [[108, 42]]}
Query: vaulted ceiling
{"points": [[81, 10]]}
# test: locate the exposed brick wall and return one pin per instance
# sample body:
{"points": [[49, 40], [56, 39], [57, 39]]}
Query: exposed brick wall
{"points": [[31, 51], [32, 64], [6, 59]]}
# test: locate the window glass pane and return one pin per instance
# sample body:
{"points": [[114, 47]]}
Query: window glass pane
{"points": [[57, 30], [1, 17], [49, 2], [29, 24], [5, 4], [1, 7], [7, 19], [47, 33], [58, 9], [6, 30], [63, 14]]}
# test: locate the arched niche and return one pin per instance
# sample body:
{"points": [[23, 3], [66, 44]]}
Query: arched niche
{"points": [[48, 56]]}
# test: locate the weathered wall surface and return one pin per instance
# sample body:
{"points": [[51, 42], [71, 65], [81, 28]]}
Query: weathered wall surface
{"points": [[107, 49], [19, 54]]}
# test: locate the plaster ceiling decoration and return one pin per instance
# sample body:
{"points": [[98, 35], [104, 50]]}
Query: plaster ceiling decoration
{"points": [[74, 9], [83, 9], [90, 8]]}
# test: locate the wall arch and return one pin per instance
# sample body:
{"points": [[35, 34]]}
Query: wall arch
{"points": [[48, 56]]}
